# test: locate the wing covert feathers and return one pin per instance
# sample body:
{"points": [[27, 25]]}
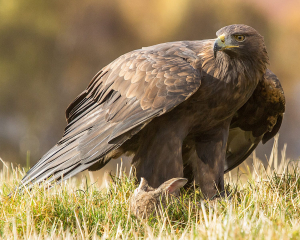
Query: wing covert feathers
{"points": [[119, 101], [258, 120]]}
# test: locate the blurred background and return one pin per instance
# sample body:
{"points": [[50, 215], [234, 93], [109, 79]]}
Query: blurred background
{"points": [[50, 50]]}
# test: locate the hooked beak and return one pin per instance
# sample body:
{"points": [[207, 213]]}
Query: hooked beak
{"points": [[220, 45]]}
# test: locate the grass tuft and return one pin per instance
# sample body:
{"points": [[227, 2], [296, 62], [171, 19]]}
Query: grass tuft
{"points": [[263, 205]]}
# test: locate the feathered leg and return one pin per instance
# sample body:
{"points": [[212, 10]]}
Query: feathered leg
{"points": [[159, 156], [208, 161]]}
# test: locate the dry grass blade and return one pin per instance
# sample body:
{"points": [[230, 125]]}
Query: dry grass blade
{"points": [[265, 205]]}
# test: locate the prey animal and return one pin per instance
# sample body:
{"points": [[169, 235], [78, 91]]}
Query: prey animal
{"points": [[147, 201]]}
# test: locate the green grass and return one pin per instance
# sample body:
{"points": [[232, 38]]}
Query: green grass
{"points": [[264, 204]]}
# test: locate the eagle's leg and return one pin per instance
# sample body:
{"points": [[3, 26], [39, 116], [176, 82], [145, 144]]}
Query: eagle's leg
{"points": [[159, 156], [208, 162]]}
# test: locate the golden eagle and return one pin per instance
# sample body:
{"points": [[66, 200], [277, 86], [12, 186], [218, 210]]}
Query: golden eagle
{"points": [[193, 109]]}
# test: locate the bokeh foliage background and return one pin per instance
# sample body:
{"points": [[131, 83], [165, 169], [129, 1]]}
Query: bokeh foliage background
{"points": [[50, 50]]}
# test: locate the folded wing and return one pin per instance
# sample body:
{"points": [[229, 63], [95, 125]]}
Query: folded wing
{"points": [[121, 99], [257, 121]]}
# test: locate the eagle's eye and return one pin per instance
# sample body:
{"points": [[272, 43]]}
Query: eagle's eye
{"points": [[239, 38]]}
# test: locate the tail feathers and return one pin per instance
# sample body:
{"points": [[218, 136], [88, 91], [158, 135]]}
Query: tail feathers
{"points": [[70, 157], [55, 156], [70, 172], [84, 143], [54, 163]]}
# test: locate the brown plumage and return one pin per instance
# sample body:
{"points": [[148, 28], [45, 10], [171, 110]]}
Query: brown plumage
{"points": [[258, 120], [171, 105]]}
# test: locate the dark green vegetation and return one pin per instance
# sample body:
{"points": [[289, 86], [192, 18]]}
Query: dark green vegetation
{"points": [[50, 50]]}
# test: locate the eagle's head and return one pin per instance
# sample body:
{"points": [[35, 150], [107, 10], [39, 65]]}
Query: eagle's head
{"points": [[241, 41]]}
